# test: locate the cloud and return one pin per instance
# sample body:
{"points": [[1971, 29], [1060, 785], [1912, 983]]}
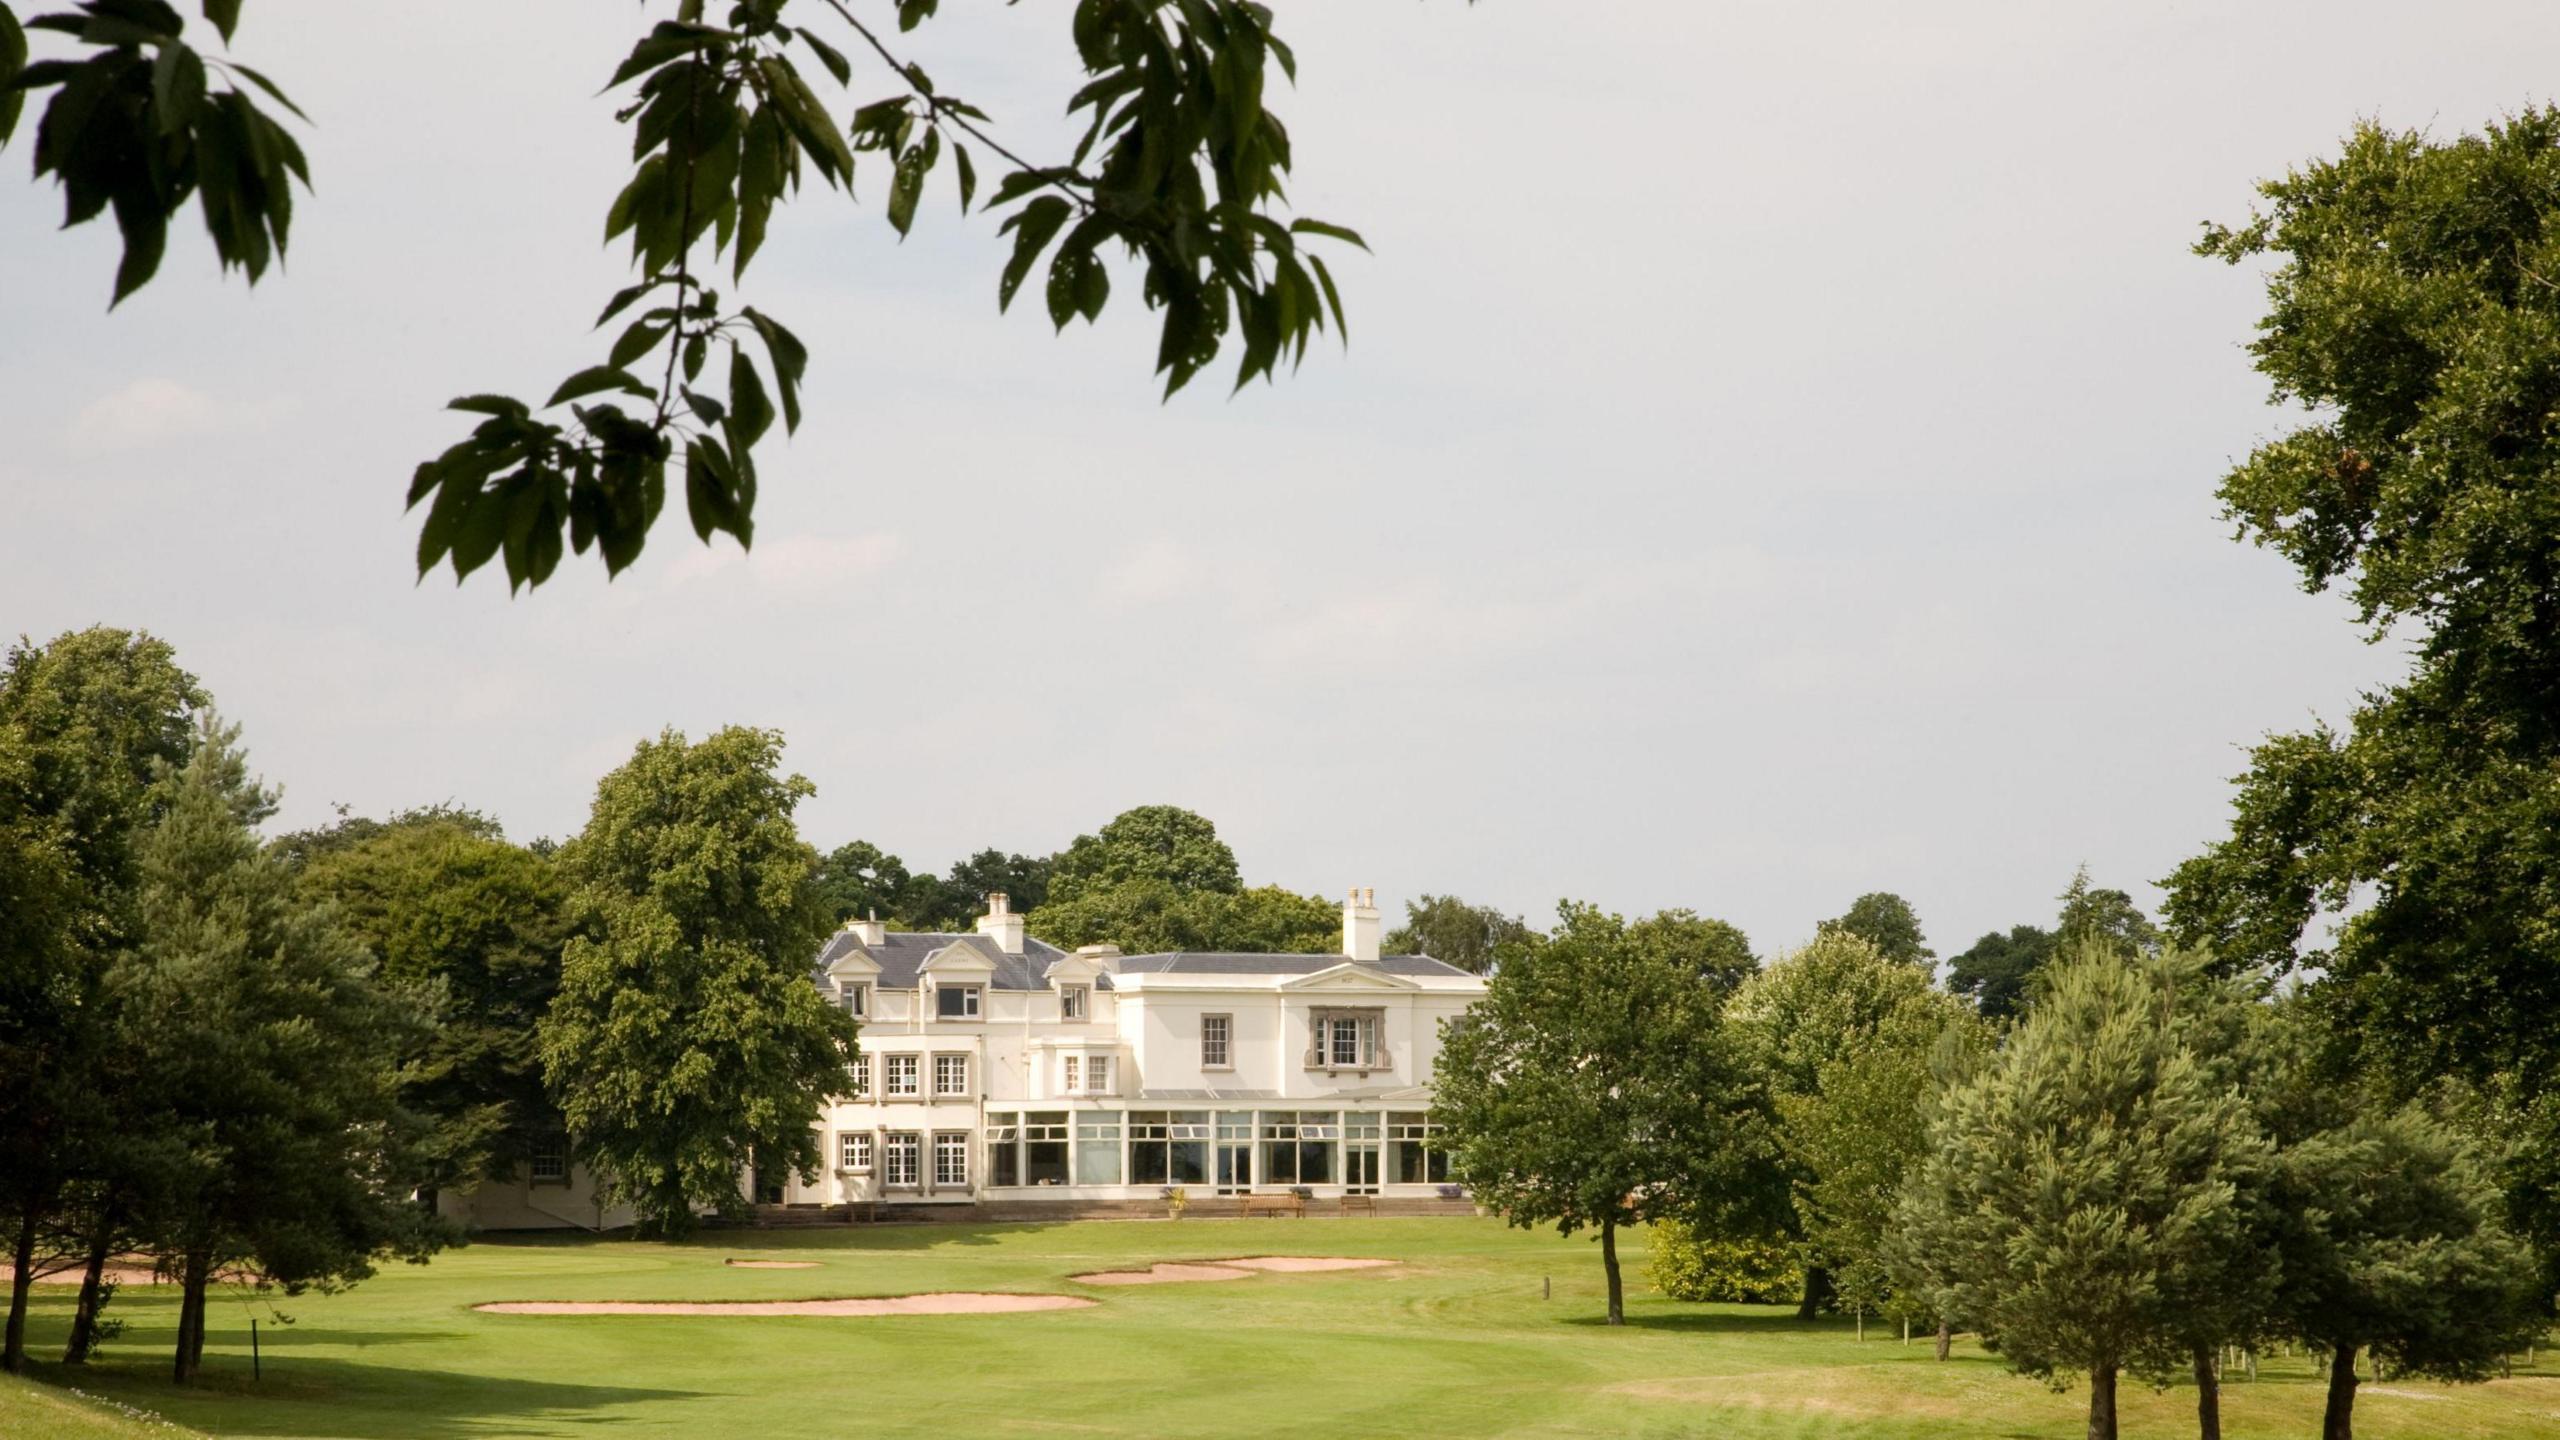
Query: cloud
{"points": [[156, 411], [796, 564]]}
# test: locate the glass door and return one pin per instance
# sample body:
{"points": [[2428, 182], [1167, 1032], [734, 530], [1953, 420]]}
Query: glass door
{"points": [[1234, 1147], [1360, 1153]]}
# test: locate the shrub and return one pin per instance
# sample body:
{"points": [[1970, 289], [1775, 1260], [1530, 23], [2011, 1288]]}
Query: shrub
{"points": [[1687, 1266]]}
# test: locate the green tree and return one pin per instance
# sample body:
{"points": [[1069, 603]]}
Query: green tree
{"points": [[2083, 1189], [1886, 921], [1021, 879], [859, 879], [254, 1025], [474, 927], [686, 1042], [2406, 859], [1162, 843], [2105, 917], [1449, 929], [85, 721], [1180, 168], [1998, 970], [1595, 1087], [1815, 1007], [1713, 950], [1150, 916]]}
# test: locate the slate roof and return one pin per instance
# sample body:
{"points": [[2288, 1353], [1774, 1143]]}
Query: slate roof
{"points": [[901, 953], [1203, 963]]}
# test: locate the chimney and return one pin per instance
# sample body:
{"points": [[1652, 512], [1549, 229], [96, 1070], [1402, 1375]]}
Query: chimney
{"points": [[1000, 924], [1360, 926], [1105, 958], [867, 931]]}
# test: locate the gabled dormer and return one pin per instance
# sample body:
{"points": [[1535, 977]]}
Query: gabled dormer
{"points": [[1072, 978], [955, 980], [853, 978]]}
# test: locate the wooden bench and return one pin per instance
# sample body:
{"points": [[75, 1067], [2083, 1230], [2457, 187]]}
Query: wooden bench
{"points": [[1292, 1205], [1365, 1204]]}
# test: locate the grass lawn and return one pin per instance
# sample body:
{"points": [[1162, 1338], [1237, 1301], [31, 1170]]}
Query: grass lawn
{"points": [[1456, 1341]]}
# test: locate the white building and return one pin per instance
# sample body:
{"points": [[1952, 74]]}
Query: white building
{"points": [[998, 1068]]}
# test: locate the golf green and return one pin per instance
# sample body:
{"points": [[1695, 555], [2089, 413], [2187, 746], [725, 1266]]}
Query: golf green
{"points": [[1461, 1337]]}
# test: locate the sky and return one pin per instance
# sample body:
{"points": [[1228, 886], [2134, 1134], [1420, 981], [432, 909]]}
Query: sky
{"points": [[1774, 459]]}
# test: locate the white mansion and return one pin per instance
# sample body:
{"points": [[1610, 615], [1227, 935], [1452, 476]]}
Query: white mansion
{"points": [[996, 1067]]}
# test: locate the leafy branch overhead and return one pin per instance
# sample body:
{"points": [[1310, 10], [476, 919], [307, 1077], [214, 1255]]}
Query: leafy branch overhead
{"points": [[1179, 166]]}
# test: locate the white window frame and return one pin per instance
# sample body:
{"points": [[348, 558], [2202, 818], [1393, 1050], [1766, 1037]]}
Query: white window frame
{"points": [[1071, 1074], [855, 997], [951, 1146], [1075, 1002], [905, 1146], [548, 1162], [913, 1067], [944, 1066], [1217, 1042], [860, 1074], [853, 1151], [972, 1004], [1097, 1074]]}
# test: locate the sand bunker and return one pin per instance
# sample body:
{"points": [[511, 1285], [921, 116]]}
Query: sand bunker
{"points": [[1170, 1272], [958, 1303], [772, 1264]]}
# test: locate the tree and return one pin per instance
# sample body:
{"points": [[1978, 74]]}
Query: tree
{"points": [[474, 927], [1814, 1007], [859, 879], [2406, 859], [1181, 167], [2104, 917], [2082, 1190], [1595, 1087], [1997, 971], [1021, 879], [254, 1026], [1886, 921], [686, 1042], [1149, 916], [1449, 929], [1713, 950], [84, 723], [1162, 843]]}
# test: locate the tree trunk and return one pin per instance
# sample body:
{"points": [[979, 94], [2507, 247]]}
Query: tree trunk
{"points": [[196, 1274], [2102, 1403], [1817, 1292], [2339, 1423], [93, 1296], [2208, 1396], [1946, 1338], [13, 1351], [1609, 1262]]}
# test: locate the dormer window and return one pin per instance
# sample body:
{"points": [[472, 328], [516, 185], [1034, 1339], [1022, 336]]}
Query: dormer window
{"points": [[855, 997], [1075, 1002], [956, 1002]]}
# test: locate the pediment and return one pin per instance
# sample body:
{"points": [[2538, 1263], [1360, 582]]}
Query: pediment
{"points": [[1073, 969], [960, 957], [854, 964], [1350, 976]]}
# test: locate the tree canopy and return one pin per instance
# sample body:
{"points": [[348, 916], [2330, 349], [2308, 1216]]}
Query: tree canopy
{"points": [[1886, 921], [1447, 928], [1180, 171]]}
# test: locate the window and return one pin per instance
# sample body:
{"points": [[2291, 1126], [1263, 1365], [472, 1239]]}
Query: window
{"points": [[951, 1158], [549, 1162], [1298, 1146], [1215, 1033], [1074, 1001], [1044, 1147], [1344, 1040], [955, 1002], [1071, 1073], [1169, 1147], [1418, 1159], [853, 1151], [855, 996], [902, 1074], [1098, 1147], [1097, 1074], [950, 1074], [905, 1155], [861, 1077], [1004, 1149]]}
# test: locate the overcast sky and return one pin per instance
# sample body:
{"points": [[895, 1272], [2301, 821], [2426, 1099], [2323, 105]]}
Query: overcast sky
{"points": [[1775, 459]]}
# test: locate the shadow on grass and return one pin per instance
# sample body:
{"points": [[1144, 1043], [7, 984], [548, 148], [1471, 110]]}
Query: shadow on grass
{"points": [[313, 1397], [1720, 1322]]}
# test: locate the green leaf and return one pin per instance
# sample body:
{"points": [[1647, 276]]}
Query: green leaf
{"points": [[1332, 298], [748, 404], [263, 83], [638, 340], [1034, 225], [1318, 227], [225, 15], [596, 379], [906, 188], [711, 411], [146, 235], [968, 175], [1093, 287], [177, 86], [502, 405], [828, 55], [13, 60], [626, 297]]}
